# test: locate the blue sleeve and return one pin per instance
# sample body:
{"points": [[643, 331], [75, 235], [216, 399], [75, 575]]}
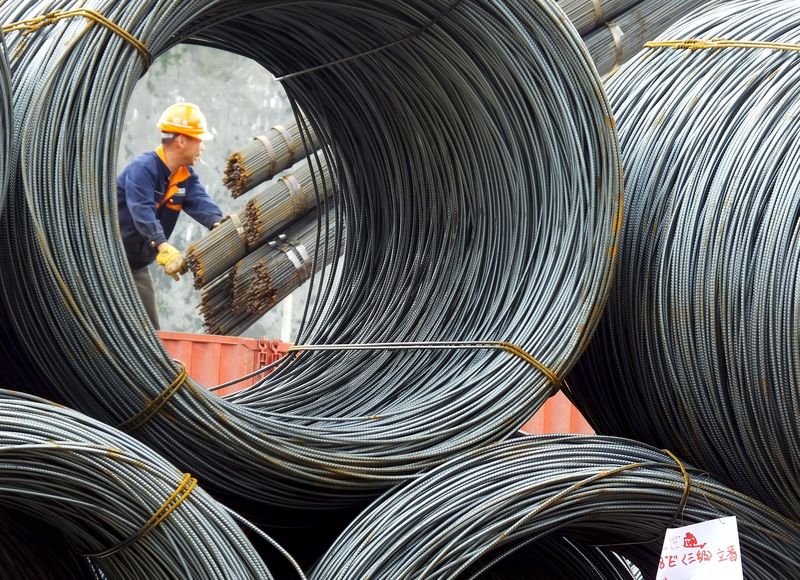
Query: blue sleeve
{"points": [[198, 204], [141, 184]]}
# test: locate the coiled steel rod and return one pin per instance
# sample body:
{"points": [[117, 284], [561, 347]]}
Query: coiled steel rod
{"points": [[480, 186], [698, 350], [266, 156], [6, 123], [115, 500], [457, 519]]}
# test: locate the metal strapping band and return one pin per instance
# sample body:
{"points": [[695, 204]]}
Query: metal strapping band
{"points": [[295, 193], [237, 223], [617, 34], [290, 145], [184, 489], [598, 12], [508, 347], [155, 405], [33, 24], [296, 254], [270, 152]]}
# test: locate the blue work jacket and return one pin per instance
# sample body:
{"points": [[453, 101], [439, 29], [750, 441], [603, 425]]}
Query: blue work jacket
{"points": [[149, 201]]}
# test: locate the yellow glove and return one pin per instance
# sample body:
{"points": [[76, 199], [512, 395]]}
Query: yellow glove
{"points": [[172, 261]]}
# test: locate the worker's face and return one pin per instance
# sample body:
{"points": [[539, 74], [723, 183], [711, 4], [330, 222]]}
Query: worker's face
{"points": [[192, 149]]}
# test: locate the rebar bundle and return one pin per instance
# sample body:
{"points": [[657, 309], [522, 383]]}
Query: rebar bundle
{"points": [[289, 198], [263, 278], [698, 350], [480, 183], [622, 38], [462, 517], [116, 501], [274, 207], [266, 156]]}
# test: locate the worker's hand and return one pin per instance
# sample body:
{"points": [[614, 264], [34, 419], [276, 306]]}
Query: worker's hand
{"points": [[172, 261], [215, 226]]}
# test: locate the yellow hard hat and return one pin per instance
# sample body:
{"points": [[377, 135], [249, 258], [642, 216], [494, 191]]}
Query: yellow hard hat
{"points": [[185, 119]]}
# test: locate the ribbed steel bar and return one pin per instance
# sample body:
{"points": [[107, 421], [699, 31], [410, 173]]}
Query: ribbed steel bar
{"points": [[274, 206], [292, 196], [698, 350], [477, 162], [266, 156], [102, 489], [620, 495], [262, 279]]}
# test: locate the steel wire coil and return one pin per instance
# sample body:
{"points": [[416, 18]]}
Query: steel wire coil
{"points": [[480, 179], [6, 122], [262, 279], [557, 558], [266, 156], [698, 349], [33, 550], [102, 488], [458, 519]]}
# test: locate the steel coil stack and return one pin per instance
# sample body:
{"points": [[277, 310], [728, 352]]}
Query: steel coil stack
{"points": [[480, 182], [699, 350], [267, 155], [116, 502], [460, 518]]}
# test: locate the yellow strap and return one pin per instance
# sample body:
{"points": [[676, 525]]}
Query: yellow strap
{"points": [[33, 24], [686, 484], [700, 44], [454, 345], [185, 487], [155, 405]]}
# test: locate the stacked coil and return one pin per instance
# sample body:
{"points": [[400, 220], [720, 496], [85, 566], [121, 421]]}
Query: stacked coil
{"points": [[461, 518], [698, 349], [266, 156], [480, 187], [115, 501], [268, 275], [6, 124]]}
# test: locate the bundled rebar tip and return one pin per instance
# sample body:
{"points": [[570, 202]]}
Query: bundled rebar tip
{"points": [[215, 253], [262, 279], [286, 199], [266, 156]]}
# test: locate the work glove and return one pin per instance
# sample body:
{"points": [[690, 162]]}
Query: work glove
{"points": [[173, 262]]}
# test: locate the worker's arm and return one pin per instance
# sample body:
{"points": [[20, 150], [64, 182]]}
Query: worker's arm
{"points": [[198, 204], [141, 185]]}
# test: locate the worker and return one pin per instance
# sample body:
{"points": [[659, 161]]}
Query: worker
{"points": [[151, 192]]}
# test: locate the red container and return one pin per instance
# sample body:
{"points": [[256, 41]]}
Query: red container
{"points": [[213, 360], [557, 415]]}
